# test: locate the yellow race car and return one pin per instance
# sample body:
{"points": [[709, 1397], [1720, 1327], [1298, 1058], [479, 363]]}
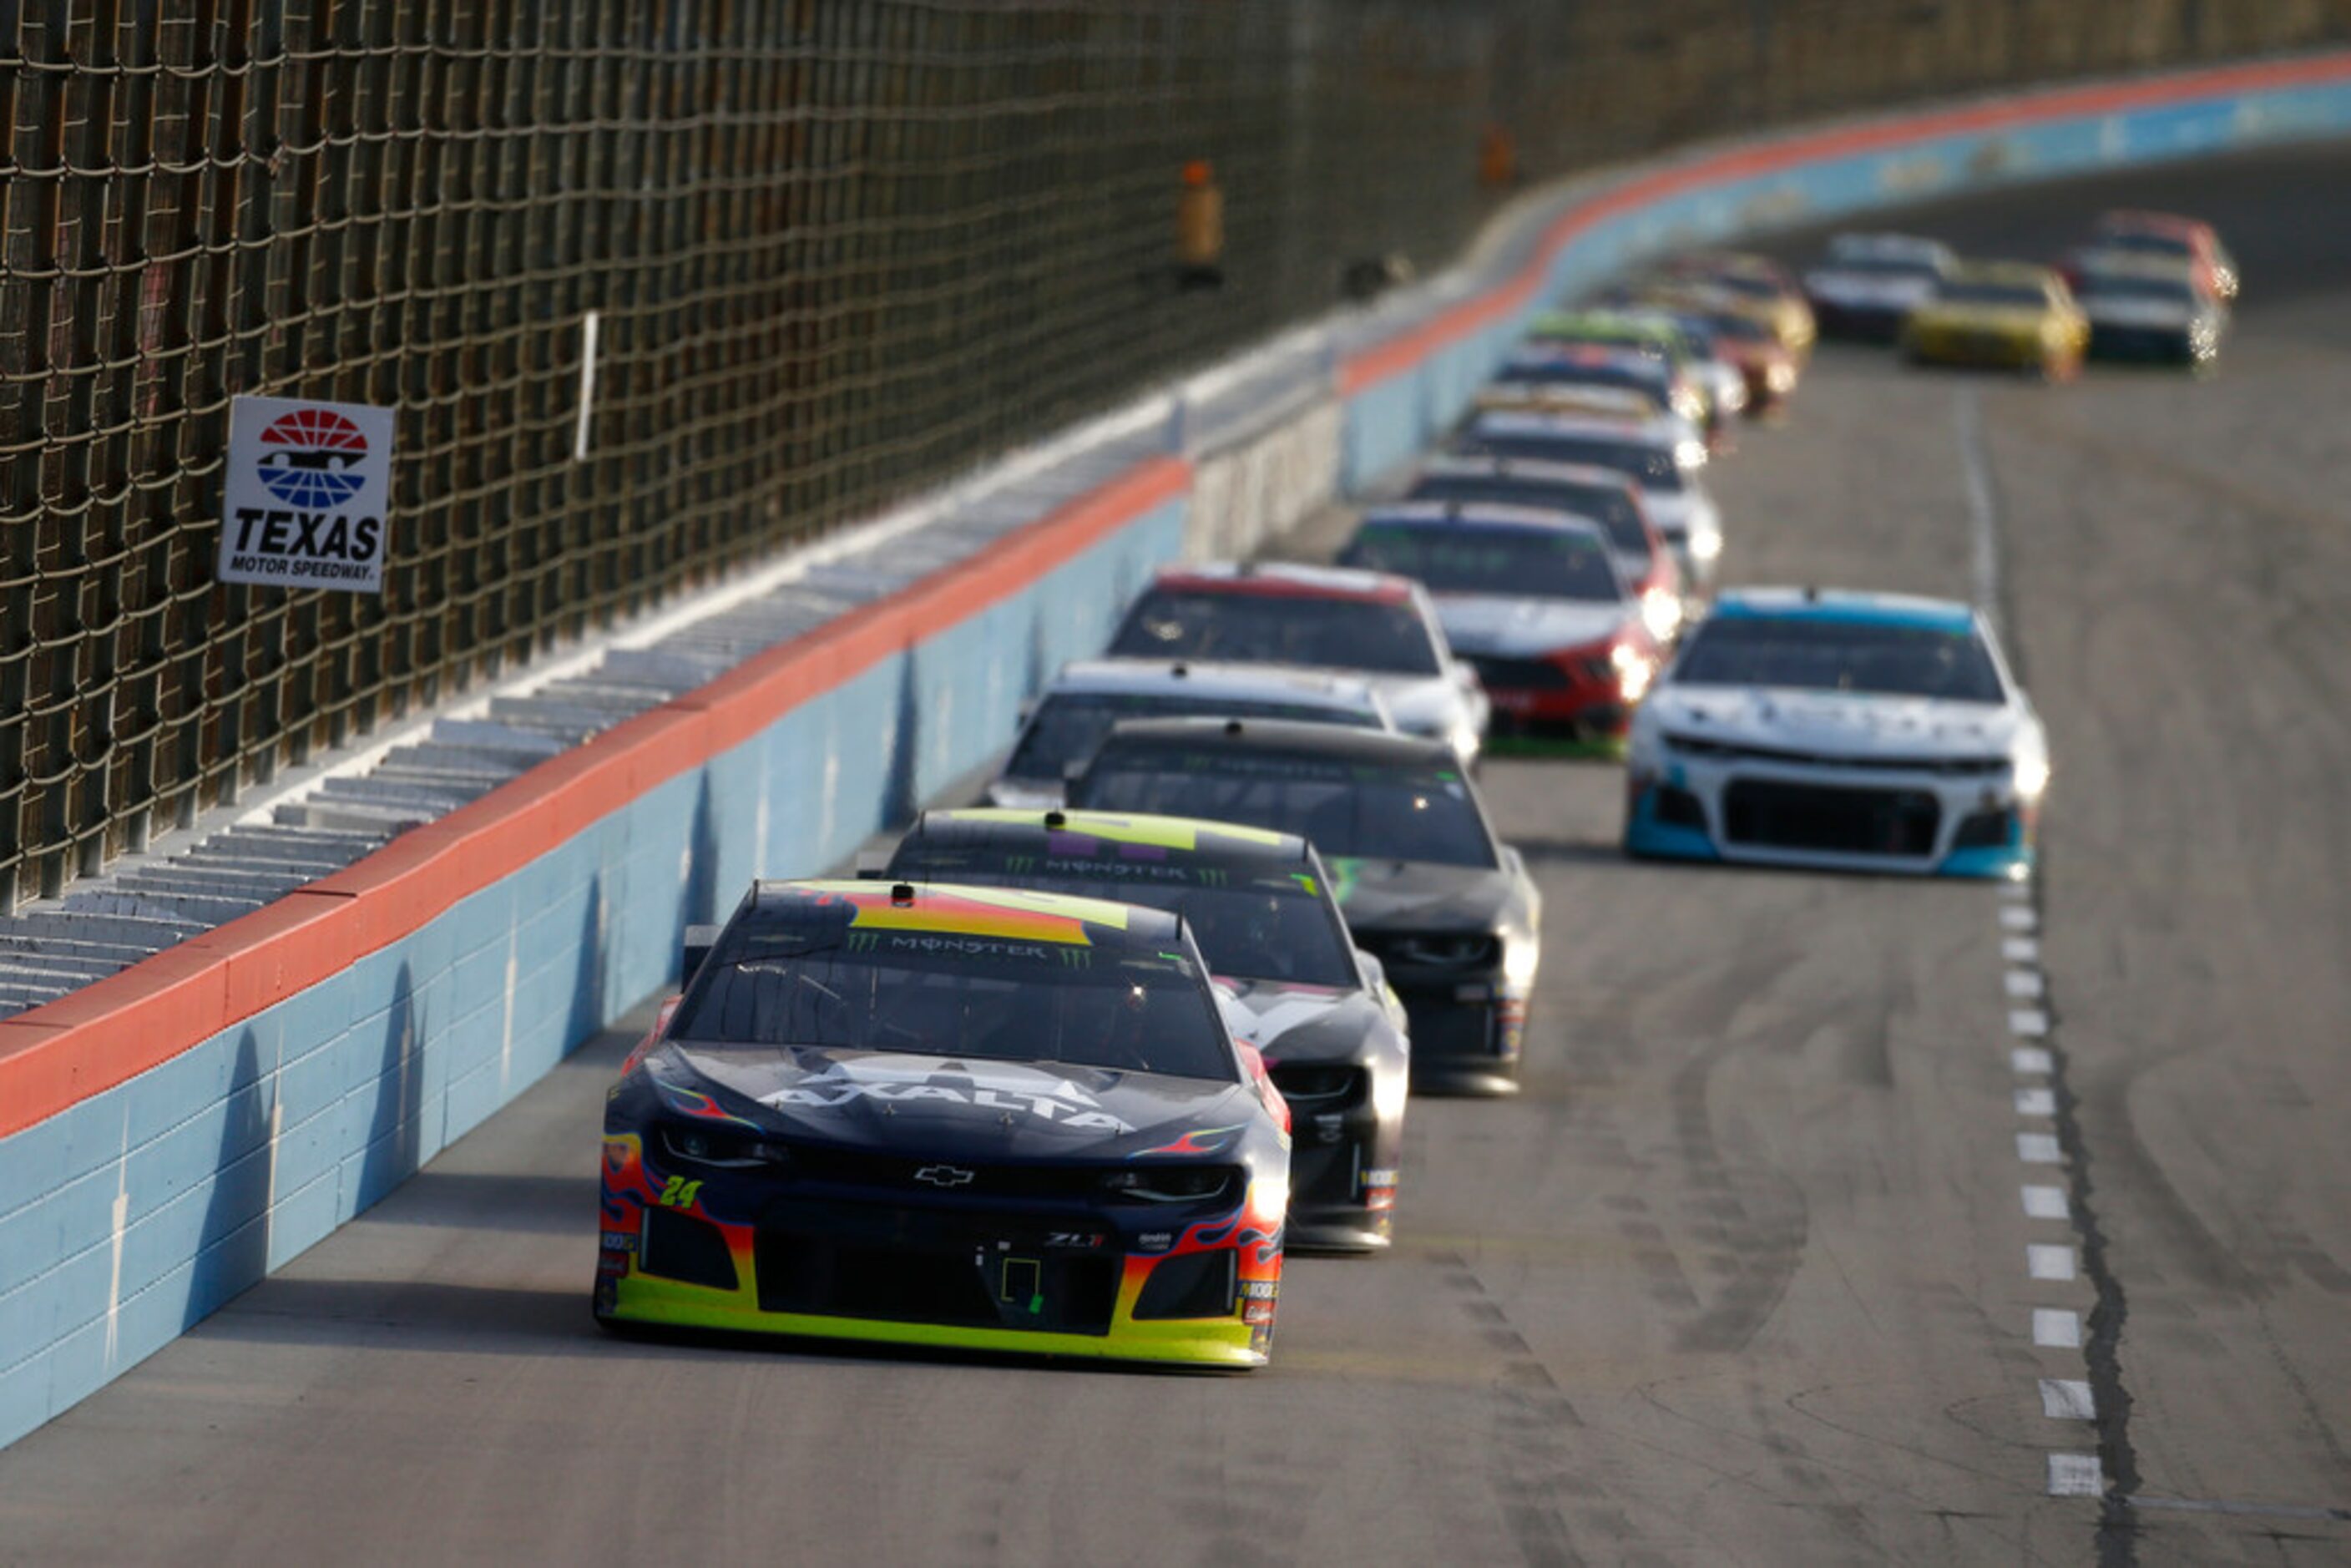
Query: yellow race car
{"points": [[2009, 315]]}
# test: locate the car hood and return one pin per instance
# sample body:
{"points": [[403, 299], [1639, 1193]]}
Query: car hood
{"points": [[1835, 723], [1301, 1023], [1490, 623], [1422, 705], [948, 1106], [1027, 794], [1421, 895], [2018, 322]]}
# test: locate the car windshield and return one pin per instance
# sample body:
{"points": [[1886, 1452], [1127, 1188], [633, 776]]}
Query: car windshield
{"points": [[1738, 329], [1606, 505], [2112, 285], [1649, 378], [1343, 809], [1068, 725], [1248, 927], [1650, 466], [1884, 265], [2145, 244], [937, 993], [1385, 636], [1822, 653], [2030, 295], [1464, 557]]}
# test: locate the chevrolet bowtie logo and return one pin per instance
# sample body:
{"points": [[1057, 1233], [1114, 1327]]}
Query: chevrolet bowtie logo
{"points": [[945, 1175]]}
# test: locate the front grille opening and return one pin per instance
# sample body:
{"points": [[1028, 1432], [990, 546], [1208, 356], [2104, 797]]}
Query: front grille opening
{"points": [[1986, 830], [1893, 822], [1190, 1285], [979, 1286], [680, 1247], [1679, 808]]}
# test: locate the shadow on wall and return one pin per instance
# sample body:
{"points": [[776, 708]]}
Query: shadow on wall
{"points": [[233, 1250], [587, 1016], [900, 794], [395, 1131]]}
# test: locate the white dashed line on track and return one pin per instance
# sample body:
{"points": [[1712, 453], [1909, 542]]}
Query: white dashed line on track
{"points": [[2030, 1023], [2067, 1399], [2076, 1475], [2044, 1261], [2036, 1102], [2027, 1059], [2024, 985], [2020, 918], [2055, 1328], [2020, 949], [2039, 1149], [2047, 1203]]}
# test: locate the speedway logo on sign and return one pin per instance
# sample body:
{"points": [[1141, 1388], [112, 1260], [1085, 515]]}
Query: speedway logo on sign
{"points": [[310, 485]]}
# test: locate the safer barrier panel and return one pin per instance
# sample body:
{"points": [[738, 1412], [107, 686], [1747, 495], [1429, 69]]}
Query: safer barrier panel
{"points": [[132, 1212]]}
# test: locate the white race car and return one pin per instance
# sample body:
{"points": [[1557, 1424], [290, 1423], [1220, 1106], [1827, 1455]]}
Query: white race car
{"points": [[1380, 627], [1077, 707], [1853, 731], [1868, 284], [1655, 455]]}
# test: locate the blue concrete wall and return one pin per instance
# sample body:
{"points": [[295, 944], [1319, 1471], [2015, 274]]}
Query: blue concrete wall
{"points": [[1390, 424], [130, 1217]]}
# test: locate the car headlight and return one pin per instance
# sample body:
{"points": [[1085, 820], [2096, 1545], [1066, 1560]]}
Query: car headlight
{"points": [[2032, 777], [1688, 403], [1780, 376], [1689, 455], [1705, 546], [1661, 612], [725, 1150], [1167, 1183], [1633, 670]]}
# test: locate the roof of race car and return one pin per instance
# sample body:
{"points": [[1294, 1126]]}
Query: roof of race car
{"points": [[1535, 470], [1491, 516], [1284, 736], [1286, 579], [1109, 836], [2137, 220], [949, 909], [1294, 683], [1842, 604], [1519, 421], [1566, 397], [1852, 246]]}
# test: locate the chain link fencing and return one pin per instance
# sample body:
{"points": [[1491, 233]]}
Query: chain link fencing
{"points": [[832, 251]]}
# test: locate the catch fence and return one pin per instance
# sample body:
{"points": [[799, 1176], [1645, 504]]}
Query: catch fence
{"points": [[832, 250]]}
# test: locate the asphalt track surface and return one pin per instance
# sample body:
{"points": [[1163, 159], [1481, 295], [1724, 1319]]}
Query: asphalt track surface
{"points": [[1741, 1277]]}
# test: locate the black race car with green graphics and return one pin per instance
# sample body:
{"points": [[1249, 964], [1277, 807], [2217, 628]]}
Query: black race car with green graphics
{"points": [[1293, 984]]}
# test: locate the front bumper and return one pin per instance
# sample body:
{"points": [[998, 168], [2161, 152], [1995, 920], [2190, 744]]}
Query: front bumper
{"points": [[1911, 823], [1467, 1033], [1549, 696], [1868, 323], [1031, 1279], [1343, 1159], [1974, 347], [2147, 345]]}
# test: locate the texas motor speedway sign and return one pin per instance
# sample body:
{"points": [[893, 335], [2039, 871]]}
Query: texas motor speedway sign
{"points": [[307, 492]]}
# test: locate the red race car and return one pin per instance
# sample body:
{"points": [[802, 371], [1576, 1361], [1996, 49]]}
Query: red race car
{"points": [[1533, 598]]}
